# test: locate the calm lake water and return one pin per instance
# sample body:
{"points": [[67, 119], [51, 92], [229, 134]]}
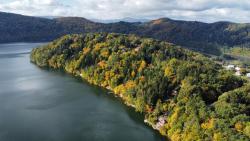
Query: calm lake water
{"points": [[42, 105]]}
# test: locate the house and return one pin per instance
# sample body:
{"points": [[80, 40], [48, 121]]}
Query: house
{"points": [[238, 73], [161, 122], [230, 67], [137, 49], [161, 119], [237, 68], [248, 75]]}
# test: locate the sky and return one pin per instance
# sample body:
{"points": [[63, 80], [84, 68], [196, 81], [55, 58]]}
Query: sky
{"points": [[194, 10]]}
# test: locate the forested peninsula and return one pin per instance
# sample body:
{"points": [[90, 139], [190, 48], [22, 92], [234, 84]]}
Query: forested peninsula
{"points": [[183, 94]]}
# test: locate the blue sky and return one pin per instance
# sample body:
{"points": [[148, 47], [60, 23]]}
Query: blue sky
{"points": [[199, 10]]}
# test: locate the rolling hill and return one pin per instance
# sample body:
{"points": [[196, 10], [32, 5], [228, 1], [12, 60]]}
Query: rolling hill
{"points": [[203, 37]]}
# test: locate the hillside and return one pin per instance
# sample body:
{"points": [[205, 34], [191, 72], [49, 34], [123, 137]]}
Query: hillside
{"points": [[20, 28], [198, 36], [183, 94]]}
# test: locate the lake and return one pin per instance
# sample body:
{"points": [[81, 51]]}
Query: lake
{"points": [[43, 105]]}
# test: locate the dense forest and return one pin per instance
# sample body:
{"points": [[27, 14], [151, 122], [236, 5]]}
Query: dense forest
{"points": [[183, 94], [197, 36]]}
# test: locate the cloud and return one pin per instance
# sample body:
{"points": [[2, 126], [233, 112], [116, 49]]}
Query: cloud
{"points": [[201, 10], [35, 7]]}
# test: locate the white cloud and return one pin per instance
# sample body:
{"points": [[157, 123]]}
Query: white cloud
{"points": [[34, 7], [201, 10]]}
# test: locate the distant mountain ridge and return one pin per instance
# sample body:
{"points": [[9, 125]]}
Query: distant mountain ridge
{"points": [[199, 36], [127, 19]]}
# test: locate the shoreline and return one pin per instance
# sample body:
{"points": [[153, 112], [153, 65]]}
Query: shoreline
{"points": [[111, 91]]}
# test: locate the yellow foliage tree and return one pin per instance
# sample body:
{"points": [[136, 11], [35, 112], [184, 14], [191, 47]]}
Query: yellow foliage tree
{"points": [[86, 50], [239, 126], [176, 136], [218, 137], [107, 75], [105, 53], [142, 66], [209, 124], [130, 84], [98, 46], [169, 72], [102, 64], [133, 74], [119, 89]]}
